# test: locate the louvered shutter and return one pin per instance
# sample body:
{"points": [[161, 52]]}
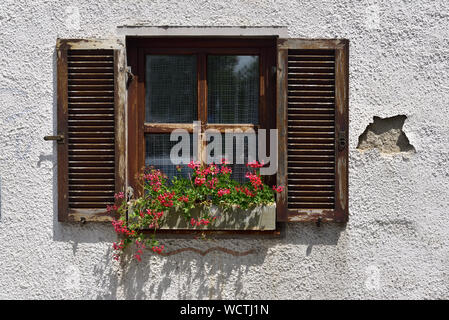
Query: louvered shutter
{"points": [[312, 119], [91, 119]]}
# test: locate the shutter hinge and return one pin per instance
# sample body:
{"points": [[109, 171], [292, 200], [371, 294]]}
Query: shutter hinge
{"points": [[59, 138], [342, 140], [130, 77]]}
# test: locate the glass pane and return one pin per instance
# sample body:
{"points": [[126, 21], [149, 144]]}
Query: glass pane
{"points": [[171, 88], [233, 89], [157, 154], [231, 150]]}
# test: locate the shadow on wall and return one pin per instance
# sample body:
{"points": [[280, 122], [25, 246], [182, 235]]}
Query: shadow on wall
{"points": [[217, 275], [188, 274]]}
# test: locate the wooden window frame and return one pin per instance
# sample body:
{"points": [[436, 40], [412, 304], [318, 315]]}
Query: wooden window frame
{"points": [[138, 48]]}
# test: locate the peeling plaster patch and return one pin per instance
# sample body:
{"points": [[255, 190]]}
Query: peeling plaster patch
{"points": [[386, 135]]}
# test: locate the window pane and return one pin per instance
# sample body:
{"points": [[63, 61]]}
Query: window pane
{"points": [[157, 154], [171, 88], [233, 89]]}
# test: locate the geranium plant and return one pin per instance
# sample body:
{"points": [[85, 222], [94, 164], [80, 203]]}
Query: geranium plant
{"points": [[205, 186]]}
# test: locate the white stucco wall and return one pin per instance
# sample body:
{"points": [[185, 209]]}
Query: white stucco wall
{"points": [[396, 242]]}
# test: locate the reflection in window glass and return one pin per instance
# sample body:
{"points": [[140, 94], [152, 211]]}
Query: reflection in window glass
{"points": [[171, 89], [157, 154], [233, 89]]}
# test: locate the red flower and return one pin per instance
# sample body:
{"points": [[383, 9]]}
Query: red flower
{"points": [[226, 170], [199, 181], [255, 179], [119, 195], [194, 165], [157, 249], [211, 183], [222, 192], [255, 164], [166, 199]]}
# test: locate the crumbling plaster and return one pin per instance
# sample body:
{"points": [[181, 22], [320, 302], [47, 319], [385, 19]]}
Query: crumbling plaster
{"points": [[395, 244]]}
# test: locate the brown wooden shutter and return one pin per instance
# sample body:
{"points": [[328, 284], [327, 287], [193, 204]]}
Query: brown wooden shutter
{"points": [[91, 119], [312, 119]]}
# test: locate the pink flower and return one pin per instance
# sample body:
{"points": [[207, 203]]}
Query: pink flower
{"points": [[226, 170], [200, 181], [247, 192], [222, 192], [213, 169], [255, 179], [166, 199], [157, 249], [194, 165], [278, 189], [119, 195], [211, 183], [119, 226], [255, 164], [201, 222], [154, 179], [154, 214]]}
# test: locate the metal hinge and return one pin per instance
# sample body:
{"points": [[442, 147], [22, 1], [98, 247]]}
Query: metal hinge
{"points": [[59, 138], [130, 77], [342, 140]]}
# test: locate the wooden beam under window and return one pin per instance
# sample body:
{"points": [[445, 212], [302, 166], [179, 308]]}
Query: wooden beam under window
{"points": [[166, 127]]}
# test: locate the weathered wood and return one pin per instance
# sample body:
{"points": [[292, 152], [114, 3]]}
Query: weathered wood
{"points": [[313, 84], [91, 101], [62, 110], [166, 127], [281, 124], [342, 131], [138, 48]]}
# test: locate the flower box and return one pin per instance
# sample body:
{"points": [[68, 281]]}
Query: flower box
{"points": [[256, 218], [207, 200]]}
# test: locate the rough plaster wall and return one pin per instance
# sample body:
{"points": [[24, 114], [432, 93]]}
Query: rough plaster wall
{"points": [[395, 244]]}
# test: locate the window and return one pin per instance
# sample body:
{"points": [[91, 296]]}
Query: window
{"points": [[222, 84], [297, 86]]}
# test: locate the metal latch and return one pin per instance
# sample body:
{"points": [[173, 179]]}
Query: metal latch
{"points": [[59, 138]]}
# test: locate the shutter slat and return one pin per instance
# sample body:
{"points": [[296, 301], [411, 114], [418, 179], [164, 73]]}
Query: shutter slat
{"points": [[311, 129], [88, 84]]}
